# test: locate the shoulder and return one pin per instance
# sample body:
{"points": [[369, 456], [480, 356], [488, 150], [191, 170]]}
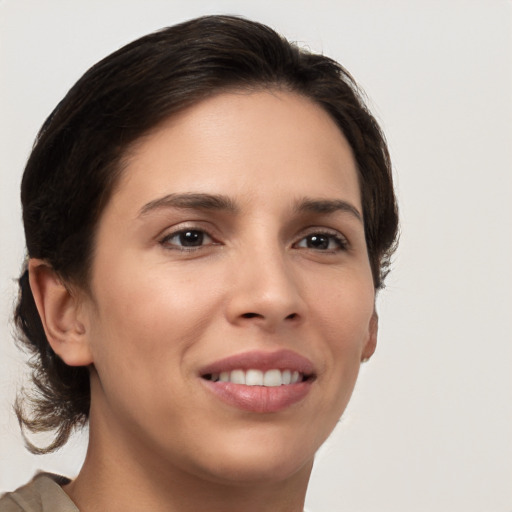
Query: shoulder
{"points": [[43, 494]]}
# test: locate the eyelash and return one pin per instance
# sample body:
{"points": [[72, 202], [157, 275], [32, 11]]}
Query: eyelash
{"points": [[340, 241], [165, 241]]}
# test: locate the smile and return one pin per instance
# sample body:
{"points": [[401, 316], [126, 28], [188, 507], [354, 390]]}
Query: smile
{"points": [[259, 381]]}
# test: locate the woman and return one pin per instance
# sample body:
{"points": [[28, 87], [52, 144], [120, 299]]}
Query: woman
{"points": [[209, 214]]}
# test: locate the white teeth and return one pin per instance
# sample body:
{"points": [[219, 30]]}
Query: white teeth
{"points": [[254, 378], [238, 377], [270, 378]]}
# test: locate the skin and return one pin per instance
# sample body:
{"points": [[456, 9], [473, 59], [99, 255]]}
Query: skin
{"points": [[155, 314]]}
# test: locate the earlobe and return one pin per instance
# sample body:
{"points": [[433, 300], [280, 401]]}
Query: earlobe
{"points": [[60, 314], [371, 343]]}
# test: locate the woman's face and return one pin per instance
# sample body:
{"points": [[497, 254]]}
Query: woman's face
{"points": [[233, 248]]}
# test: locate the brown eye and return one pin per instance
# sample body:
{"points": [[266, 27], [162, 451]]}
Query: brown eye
{"points": [[191, 238], [317, 242], [187, 238], [322, 242]]}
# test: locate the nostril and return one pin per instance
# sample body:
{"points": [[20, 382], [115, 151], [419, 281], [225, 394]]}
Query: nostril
{"points": [[250, 315], [291, 316]]}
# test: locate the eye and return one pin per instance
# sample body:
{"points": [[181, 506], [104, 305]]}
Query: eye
{"points": [[187, 239], [328, 242]]}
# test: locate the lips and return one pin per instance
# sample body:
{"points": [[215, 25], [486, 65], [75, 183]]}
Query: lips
{"points": [[262, 382]]}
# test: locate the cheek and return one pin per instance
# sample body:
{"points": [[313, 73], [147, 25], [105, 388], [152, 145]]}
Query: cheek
{"points": [[142, 339], [153, 316], [344, 316], [344, 309]]}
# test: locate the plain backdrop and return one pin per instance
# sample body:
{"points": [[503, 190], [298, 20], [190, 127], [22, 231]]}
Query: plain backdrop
{"points": [[429, 427]]}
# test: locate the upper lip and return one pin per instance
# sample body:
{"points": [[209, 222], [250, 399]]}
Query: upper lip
{"points": [[261, 360]]}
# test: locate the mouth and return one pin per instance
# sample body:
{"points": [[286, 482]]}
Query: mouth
{"points": [[259, 381], [254, 377]]}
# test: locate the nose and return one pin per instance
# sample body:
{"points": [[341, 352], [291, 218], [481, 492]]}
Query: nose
{"points": [[265, 290]]}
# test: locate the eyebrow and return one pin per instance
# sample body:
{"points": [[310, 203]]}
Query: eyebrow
{"points": [[191, 201], [309, 205], [200, 201]]}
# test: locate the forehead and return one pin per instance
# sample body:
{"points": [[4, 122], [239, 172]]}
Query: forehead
{"points": [[246, 144]]}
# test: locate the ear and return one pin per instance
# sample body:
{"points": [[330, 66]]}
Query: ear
{"points": [[59, 311], [371, 343]]}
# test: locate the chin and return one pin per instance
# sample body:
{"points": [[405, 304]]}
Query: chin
{"points": [[259, 458], [254, 470]]}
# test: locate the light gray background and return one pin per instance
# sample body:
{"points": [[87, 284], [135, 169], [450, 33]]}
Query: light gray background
{"points": [[430, 424]]}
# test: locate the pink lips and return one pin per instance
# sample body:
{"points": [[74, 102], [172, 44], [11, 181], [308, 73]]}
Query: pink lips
{"points": [[260, 399]]}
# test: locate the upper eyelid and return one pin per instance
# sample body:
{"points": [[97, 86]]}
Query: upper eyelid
{"points": [[171, 234], [322, 230], [192, 225], [340, 239]]}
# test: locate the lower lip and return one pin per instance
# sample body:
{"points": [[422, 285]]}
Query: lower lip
{"points": [[260, 399]]}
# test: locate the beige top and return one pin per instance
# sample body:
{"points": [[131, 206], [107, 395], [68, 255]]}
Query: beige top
{"points": [[43, 494]]}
